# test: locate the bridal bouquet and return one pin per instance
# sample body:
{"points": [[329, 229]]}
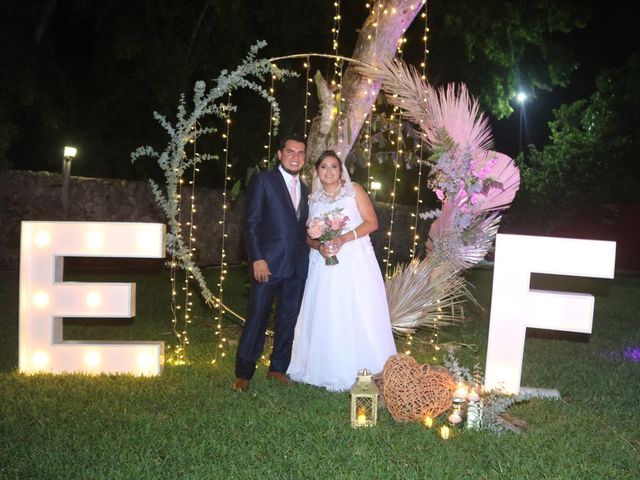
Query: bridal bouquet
{"points": [[327, 227]]}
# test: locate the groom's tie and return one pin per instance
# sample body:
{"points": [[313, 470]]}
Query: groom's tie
{"points": [[293, 190]]}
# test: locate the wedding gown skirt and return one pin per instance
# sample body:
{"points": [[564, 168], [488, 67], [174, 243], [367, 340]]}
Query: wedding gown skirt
{"points": [[343, 325]]}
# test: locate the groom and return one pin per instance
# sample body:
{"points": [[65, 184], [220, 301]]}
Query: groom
{"points": [[275, 231]]}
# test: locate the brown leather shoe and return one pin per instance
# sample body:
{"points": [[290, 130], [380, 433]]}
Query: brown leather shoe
{"points": [[278, 377], [240, 385]]}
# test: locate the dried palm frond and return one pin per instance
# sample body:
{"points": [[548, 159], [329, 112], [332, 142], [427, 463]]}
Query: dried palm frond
{"points": [[505, 178], [464, 249], [447, 111], [424, 293], [444, 223], [452, 110], [404, 88]]}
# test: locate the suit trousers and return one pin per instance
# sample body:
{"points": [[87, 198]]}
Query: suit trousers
{"points": [[288, 292]]}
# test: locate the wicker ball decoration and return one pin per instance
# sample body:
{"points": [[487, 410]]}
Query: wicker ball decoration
{"points": [[413, 391]]}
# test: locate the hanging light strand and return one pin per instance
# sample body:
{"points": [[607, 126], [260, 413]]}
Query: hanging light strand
{"points": [[182, 307], [179, 351], [369, 146], [370, 115], [308, 81], [423, 66], [267, 147], [396, 139], [336, 82], [220, 352], [188, 277]]}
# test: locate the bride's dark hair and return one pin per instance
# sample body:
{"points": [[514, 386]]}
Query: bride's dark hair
{"points": [[328, 153]]}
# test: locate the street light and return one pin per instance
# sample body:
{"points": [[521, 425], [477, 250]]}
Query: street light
{"points": [[375, 186], [68, 155], [521, 98]]}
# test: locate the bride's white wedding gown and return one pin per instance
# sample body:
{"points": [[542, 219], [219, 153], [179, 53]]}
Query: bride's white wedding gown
{"points": [[343, 325]]}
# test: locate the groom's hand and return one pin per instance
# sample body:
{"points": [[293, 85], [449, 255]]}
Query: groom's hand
{"points": [[261, 271]]}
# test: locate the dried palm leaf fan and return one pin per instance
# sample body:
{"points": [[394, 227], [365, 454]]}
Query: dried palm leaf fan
{"points": [[451, 122]]}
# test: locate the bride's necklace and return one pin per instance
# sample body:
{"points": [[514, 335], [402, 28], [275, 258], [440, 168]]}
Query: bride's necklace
{"points": [[334, 193]]}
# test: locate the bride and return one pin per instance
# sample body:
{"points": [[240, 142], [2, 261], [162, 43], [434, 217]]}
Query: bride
{"points": [[343, 325]]}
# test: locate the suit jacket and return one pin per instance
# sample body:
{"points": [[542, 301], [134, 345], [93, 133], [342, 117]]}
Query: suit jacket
{"points": [[272, 231]]}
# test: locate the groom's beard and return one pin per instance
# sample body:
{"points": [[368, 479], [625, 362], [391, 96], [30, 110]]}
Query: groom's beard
{"points": [[291, 172]]}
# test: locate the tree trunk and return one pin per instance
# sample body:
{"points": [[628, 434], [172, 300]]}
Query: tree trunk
{"points": [[377, 41]]}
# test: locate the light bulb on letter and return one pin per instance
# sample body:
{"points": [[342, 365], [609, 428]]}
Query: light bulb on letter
{"points": [[92, 359], [93, 299], [95, 240], [42, 238], [40, 360], [41, 299]]}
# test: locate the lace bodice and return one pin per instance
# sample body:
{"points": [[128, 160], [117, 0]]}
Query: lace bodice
{"points": [[345, 199]]}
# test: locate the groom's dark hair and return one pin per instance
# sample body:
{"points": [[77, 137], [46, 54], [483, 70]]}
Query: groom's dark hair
{"points": [[296, 137]]}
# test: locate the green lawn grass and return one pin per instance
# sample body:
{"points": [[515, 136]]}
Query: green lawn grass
{"points": [[187, 423]]}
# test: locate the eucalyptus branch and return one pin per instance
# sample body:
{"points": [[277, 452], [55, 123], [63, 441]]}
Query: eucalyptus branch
{"points": [[174, 161]]}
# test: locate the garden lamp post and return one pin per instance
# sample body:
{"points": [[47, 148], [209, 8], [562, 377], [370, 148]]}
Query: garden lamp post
{"points": [[68, 155], [521, 98]]}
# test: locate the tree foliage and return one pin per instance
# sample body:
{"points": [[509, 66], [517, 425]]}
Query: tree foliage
{"points": [[592, 157], [498, 46], [100, 70]]}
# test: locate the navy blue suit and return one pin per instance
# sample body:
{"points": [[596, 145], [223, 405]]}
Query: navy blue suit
{"points": [[273, 233]]}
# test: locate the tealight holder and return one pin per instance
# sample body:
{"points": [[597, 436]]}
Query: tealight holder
{"points": [[459, 401]]}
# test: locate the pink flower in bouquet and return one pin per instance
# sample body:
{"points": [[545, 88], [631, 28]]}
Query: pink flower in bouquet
{"points": [[315, 228], [327, 227], [336, 224]]}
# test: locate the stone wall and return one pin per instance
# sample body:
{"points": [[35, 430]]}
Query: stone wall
{"points": [[37, 196]]}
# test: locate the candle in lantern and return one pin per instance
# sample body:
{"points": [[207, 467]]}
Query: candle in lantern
{"points": [[362, 417], [428, 421], [444, 432], [364, 400]]}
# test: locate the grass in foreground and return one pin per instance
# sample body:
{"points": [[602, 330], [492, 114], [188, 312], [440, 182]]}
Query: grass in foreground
{"points": [[187, 423]]}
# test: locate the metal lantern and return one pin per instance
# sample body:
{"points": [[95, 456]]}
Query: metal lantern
{"points": [[364, 401]]}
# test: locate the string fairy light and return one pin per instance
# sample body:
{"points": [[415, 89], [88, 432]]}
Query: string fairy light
{"points": [[396, 139], [336, 81], [434, 341], [221, 339], [179, 351], [369, 120], [335, 31], [267, 147], [307, 94], [413, 252], [369, 146], [182, 309], [188, 294]]}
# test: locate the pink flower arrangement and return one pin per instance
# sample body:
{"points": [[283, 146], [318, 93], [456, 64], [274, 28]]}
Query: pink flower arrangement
{"points": [[327, 227]]}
